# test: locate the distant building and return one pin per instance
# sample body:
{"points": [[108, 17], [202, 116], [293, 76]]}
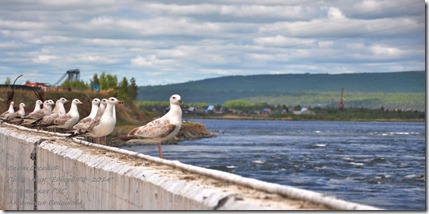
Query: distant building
{"points": [[304, 111], [210, 108], [192, 109], [266, 111]]}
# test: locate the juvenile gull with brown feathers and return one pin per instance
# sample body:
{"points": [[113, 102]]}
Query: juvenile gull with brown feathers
{"points": [[161, 129]]}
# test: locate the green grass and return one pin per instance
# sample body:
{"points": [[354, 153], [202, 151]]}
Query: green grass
{"points": [[404, 101]]}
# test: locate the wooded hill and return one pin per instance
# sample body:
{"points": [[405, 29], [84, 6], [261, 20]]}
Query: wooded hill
{"points": [[219, 90]]}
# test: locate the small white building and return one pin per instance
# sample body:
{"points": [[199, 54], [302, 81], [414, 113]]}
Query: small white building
{"points": [[304, 111]]}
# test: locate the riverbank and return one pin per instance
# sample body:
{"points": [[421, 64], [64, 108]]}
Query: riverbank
{"points": [[364, 115], [189, 131]]}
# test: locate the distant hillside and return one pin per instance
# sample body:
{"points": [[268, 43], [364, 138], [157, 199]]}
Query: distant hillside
{"points": [[219, 90]]}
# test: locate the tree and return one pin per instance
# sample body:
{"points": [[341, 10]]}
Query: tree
{"points": [[95, 80], [75, 85], [133, 88], [239, 104], [111, 81], [297, 108], [103, 81], [7, 81], [123, 88]]}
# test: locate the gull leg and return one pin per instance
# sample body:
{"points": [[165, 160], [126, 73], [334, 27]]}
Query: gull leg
{"points": [[160, 150]]}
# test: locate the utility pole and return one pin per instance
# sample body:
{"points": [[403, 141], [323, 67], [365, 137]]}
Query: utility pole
{"points": [[341, 104]]}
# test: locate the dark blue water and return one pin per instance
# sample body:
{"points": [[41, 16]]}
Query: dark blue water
{"points": [[375, 163]]}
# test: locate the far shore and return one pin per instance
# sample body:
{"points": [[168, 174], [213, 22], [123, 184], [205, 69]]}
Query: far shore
{"points": [[301, 118]]}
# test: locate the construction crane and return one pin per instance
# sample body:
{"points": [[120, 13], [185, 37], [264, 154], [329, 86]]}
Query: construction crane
{"points": [[72, 75]]}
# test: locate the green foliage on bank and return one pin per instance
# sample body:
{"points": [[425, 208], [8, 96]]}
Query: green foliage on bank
{"points": [[124, 89], [393, 90]]}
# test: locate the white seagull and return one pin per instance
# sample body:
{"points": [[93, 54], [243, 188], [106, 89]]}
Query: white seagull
{"points": [[58, 111], [9, 111], [18, 114], [69, 119], [103, 126], [161, 129], [37, 115], [37, 106], [94, 108]]}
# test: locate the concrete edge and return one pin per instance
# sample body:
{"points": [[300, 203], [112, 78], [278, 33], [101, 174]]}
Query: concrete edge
{"points": [[284, 190]]}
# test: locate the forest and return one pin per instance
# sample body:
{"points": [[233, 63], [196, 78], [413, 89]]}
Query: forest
{"points": [[393, 90]]}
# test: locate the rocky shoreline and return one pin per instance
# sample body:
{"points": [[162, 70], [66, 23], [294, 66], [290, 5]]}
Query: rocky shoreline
{"points": [[189, 131], [192, 131]]}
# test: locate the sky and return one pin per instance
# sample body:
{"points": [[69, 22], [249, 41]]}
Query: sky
{"points": [[162, 42]]}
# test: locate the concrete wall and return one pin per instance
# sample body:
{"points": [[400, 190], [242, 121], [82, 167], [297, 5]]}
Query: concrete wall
{"points": [[80, 176], [16, 171]]}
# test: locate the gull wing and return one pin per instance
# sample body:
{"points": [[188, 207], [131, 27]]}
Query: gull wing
{"points": [[154, 129]]}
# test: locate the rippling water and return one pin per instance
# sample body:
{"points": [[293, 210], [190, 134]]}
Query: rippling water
{"points": [[375, 163]]}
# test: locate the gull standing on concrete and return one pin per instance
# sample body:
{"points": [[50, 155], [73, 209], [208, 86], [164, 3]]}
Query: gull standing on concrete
{"points": [[39, 114], [103, 126], [58, 111], [9, 111], [20, 113], [82, 129], [37, 106], [94, 108], [68, 120], [161, 129], [18, 116]]}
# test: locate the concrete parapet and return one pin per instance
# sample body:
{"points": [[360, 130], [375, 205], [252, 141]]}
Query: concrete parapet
{"points": [[46, 171]]}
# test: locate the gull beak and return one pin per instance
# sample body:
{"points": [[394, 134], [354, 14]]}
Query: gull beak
{"points": [[180, 101], [121, 102]]}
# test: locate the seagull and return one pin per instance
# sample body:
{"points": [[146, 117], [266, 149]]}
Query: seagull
{"points": [[81, 128], [20, 113], [101, 126], [9, 111], [37, 106], [59, 106], [69, 119], [39, 114], [161, 129], [94, 108], [58, 111]]}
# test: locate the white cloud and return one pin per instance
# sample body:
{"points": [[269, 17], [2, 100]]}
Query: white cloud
{"points": [[151, 61], [279, 40], [252, 11], [21, 25], [44, 58], [335, 13], [386, 52], [142, 61], [151, 40]]}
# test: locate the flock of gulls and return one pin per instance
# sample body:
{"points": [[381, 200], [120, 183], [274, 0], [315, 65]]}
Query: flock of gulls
{"points": [[99, 123]]}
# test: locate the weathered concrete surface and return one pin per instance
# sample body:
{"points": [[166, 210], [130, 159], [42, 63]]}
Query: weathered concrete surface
{"points": [[16, 170], [72, 176]]}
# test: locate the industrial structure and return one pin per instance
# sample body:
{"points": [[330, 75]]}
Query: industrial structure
{"points": [[72, 75]]}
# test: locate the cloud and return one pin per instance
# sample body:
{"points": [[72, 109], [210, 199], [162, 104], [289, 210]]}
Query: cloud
{"points": [[279, 40], [44, 58], [235, 12], [160, 42]]}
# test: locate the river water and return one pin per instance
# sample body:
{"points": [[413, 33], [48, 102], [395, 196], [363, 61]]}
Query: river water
{"points": [[375, 163]]}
